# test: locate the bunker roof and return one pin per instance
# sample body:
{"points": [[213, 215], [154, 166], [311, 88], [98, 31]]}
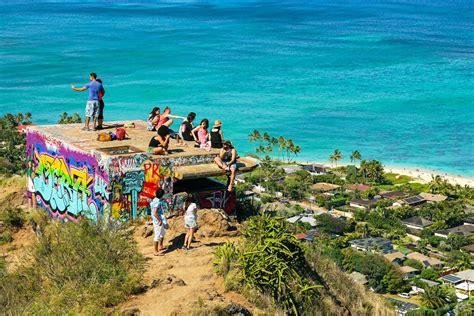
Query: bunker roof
{"points": [[190, 162]]}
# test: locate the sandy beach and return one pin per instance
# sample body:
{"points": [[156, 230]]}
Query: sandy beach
{"points": [[418, 174]]}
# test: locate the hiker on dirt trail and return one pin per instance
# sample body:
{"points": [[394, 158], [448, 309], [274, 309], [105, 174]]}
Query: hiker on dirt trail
{"points": [[190, 221], [159, 222]]}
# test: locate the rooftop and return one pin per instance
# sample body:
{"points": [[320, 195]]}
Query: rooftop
{"points": [[433, 197], [464, 230], [469, 248], [324, 187], [393, 195], [417, 221], [373, 243], [407, 269], [394, 255], [192, 162], [426, 261], [414, 200]]}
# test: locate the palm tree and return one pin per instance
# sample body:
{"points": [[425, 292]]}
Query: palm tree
{"points": [[255, 137], [355, 156], [436, 297], [336, 156], [281, 146], [273, 142], [266, 137], [289, 144]]}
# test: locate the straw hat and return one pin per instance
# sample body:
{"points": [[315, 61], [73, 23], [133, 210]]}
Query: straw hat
{"points": [[217, 123]]}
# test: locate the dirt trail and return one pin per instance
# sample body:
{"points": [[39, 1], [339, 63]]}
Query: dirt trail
{"points": [[182, 281]]}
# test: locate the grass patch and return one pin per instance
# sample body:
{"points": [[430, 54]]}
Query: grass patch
{"points": [[79, 268], [396, 178]]}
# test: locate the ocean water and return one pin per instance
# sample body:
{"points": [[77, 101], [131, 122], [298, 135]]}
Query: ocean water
{"points": [[394, 80]]}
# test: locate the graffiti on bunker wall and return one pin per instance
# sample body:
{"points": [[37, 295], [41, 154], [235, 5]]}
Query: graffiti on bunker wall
{"points": [[64, 181], [133, 190], [218, 199]]}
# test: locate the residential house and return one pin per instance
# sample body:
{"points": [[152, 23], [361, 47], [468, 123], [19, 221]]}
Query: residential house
{"points": [[417, 222], [469, 248], [304, 218], [463, 230], [433, 198], [358, 187], [427, 262], [315, 169], [408, 272], [463, 281], [412, 200], [430, 283], [469, 221], [393, 195], [395, 257], [403, 307], [359, 278], [362, 204], [373, 244], [308, 236], [290, 169], [324, 187]]}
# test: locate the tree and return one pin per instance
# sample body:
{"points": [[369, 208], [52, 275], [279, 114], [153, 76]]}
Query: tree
{"points": [[429, 274], [255, 137], [355, 156], [460, 260], [440, 185], [336, 156], [281, 146], [413, 263], [393, 281], [372, 171], [12, 149], [66, 119], [436, 297]]}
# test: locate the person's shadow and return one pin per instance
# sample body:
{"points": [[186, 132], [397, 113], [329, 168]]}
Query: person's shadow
{"points": [[176, 243]]}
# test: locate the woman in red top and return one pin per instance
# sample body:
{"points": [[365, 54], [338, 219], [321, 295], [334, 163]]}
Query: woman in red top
{"points": [[100, 118]]}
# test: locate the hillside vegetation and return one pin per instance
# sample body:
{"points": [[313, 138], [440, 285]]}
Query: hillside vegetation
{"points": [[274, 271]]}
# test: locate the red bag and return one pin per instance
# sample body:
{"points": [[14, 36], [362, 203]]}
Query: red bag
{"points": [[120, 132]]}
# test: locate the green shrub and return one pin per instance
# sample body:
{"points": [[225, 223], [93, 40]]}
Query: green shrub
{"points": [[272, 262], [75, 269], [11, 217]]}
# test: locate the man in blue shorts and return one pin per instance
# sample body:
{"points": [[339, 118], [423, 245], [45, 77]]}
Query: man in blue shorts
{"points": [[92, 106]]}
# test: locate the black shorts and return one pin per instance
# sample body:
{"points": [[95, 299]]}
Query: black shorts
{"points": [[101, 110]]}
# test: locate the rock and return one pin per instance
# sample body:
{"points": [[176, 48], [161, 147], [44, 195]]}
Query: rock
{"points": [[147, 231], [131, 312], [179, 282], [237, 309]]}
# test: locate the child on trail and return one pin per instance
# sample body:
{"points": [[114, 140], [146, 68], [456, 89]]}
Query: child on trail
{"points": [[159, 222], [216, 136], [227, 161], [153, 119], [190, 221], [201, 136], [159, 144]]}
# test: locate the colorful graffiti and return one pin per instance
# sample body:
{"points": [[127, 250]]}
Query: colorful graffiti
{"points": [[71, 183], [218, 199], [133, 190], [66, 182]]}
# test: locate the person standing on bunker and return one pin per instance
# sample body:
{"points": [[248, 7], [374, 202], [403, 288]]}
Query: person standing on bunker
{"points": [[92, 106], [159, 222]]}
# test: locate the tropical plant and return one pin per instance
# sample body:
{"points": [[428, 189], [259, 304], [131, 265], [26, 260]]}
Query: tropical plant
{"points": [[355, 155], [69, 119], [336, 156], [271, 260], [371, 171], [437, 296], [223, 258], [12, 143]]}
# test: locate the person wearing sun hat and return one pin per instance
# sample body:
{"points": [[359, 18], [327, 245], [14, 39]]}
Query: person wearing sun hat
{"points": [[216, 135]]}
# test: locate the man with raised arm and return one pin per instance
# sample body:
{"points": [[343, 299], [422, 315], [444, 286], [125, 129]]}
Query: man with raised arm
{"points": [[92, 106]]}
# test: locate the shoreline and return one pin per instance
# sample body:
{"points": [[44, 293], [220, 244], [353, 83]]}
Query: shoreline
{"points": [[418, 174]]}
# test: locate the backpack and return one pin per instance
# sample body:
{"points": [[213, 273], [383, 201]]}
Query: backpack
{"points": [[104, 137], [120, 133]]}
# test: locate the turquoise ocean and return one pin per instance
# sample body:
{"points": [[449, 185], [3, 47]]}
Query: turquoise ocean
{"points": [[394, 80]]}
